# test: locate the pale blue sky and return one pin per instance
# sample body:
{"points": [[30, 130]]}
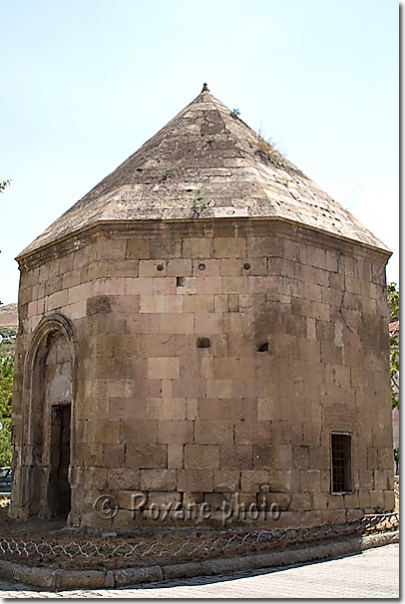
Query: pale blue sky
{"points": [[86, 82]]}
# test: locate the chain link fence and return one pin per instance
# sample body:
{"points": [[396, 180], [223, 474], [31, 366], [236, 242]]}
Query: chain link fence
{"points": [[147, 551]]}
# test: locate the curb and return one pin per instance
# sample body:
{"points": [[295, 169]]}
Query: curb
{"points": [[93, 579]]}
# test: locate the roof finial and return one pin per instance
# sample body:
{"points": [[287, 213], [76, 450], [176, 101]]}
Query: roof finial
{"points": [[205, 88]]}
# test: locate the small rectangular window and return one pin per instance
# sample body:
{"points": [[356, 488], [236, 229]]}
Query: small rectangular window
{"points": [[341, 445]]}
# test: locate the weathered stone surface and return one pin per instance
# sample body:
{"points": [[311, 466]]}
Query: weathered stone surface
{"points": [[207, 339]]}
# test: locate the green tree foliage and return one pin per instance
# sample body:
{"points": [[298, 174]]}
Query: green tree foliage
{"points": [[393, 301], [3, 184], [6, 396]]}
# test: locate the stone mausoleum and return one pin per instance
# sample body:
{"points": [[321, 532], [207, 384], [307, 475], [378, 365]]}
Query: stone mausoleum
{"points": [[205, 328]]}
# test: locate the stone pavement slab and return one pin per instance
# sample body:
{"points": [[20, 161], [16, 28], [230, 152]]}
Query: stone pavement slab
{"points": [[374, 573]]}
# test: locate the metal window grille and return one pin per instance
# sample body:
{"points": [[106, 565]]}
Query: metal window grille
{"points": [[341, 463]]}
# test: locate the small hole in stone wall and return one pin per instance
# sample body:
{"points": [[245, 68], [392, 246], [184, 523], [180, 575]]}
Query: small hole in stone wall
{"points": [[263, 347], [180, 281], [160, 267], [201, 267], [203, 343], [246, 266]]}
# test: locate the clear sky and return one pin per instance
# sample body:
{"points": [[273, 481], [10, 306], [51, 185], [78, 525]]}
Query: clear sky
{"points": [[86, 82]]}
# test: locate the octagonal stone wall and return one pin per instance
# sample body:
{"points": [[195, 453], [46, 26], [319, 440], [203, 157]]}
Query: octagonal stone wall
{"points": [[211, 362]]}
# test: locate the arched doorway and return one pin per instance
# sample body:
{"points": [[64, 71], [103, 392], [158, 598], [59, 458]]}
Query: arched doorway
{"points": [[48, 411]]}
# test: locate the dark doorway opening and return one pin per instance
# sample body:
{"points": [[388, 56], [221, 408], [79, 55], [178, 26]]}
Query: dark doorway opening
{"points": [[59, 492]]}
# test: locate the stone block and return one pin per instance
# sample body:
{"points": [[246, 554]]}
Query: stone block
{"points": [[319, 458], [182, 571], [236, 457], [175, 456], [123, 268], [284, 480], [313, 293], [114, 455], [165, 286], [152, 268], [131, 576], [372, 458], [163, 368], [127, 408], [206, 267], [389, 501], [189, 388], [385, 458], [252, 480], [229, 247], [79, 293], [231, 267], [208, 323], [152, 304], [57, 300], [226, 481], [166, 246], [166, 409], [351, 500], [163, 500], [175, 432], [139, 286], [123, 519], [208, 285], [179, 267], [158, 480], [272, 456], [200, 457], [219, 389], [316, 256], [249, 432], [190, 499], [300, 456], [381, 480], [111, 249], [377, 499], [75, 311], [213, 433], [199, 247], [123, 479], [259, 247], [301, 502], [195, 481], [310, 481], [146, 456], [216, 501], [364, 499], [103, 431], [264, 285], [173, 304], [174, 323], [109, 287], [235, 285], [199, 303], [319, 501], [141, 431], [94, 478], [233, 368]]}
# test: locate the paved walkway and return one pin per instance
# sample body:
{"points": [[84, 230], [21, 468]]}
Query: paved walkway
{"points": [[372, 574]]}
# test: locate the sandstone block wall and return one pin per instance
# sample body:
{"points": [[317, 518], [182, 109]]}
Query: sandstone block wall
{"points": [[217, 359]]}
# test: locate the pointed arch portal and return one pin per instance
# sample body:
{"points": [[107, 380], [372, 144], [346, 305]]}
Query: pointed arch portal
{"points": [[48, 408]]}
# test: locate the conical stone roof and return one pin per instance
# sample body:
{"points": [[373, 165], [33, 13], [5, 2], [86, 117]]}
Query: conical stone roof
{"points": [[207, 163]]}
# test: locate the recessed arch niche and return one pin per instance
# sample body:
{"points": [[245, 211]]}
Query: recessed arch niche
{"points": [[49, 389]]}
